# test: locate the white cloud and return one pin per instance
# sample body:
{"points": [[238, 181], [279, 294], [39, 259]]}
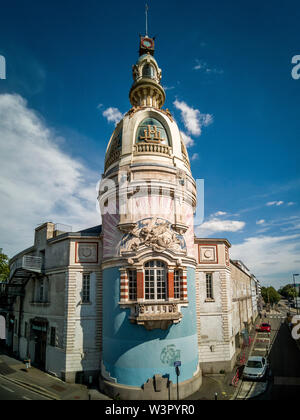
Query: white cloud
{"points": [[275, 203], [202, 65], [192, 118], [291, 203], [220, 213], [260, 222], [112, 115], [195, 156], [168, 88], [188, 141], [216, 225], [269, 257], [38, 181]]}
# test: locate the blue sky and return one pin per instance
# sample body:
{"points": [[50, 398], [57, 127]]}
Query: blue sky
{"points": [[226, 64]]}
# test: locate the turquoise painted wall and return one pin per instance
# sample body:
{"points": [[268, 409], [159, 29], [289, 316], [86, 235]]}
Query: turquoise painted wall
{"points": [[131, 354]]}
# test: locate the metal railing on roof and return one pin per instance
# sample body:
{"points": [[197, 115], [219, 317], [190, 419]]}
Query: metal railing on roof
{"points": [[62, 228], [28, 263]]}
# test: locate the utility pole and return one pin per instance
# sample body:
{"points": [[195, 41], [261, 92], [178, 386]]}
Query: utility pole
{"points": [[295, 297]]}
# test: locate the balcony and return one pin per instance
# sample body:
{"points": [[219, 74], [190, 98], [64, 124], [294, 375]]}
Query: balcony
{"points": [[27, 263], [150, 148], [156, 315]]}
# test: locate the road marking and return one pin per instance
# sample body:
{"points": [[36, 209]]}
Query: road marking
{"points": [[7, 389], [263, 340], [26, 398]]}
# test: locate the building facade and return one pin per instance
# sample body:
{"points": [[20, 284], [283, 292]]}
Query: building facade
{"points": [[138, 302], [55, 318]]}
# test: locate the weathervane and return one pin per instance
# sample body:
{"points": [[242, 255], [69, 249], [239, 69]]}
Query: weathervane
{"points": [[146, 12]]}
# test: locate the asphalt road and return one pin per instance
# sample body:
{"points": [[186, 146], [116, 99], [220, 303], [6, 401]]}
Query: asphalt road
{"points": [[12, 392], [284, 359]]}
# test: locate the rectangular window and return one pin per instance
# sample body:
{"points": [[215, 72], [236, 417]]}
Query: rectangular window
{"points": [[41, 293], [149, 285], [132, 285], [161, 284], [177, 284], [155, 281], [209, 286], [86, 288], [53, 337]]}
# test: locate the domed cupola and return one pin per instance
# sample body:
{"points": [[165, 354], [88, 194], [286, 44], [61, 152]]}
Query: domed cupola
{"points": [[146, 90]]}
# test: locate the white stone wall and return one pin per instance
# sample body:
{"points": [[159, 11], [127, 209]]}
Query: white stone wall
{"points": [[82, 335], [216, 346]]}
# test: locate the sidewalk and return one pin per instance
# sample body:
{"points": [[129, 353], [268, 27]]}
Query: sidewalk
{"points": [[43, 383]]}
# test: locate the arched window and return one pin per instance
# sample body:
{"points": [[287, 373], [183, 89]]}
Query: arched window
{"points": [[149, 71], [152, 131], [155, 280]]}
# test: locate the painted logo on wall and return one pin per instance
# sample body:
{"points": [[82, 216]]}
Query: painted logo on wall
{"points": [[169, 355], [296, 328]]}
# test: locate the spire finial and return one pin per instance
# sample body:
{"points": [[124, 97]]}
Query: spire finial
{"points": [[146, 12]]}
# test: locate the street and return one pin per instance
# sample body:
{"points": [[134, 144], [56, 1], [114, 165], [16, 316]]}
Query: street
{"points": [[10, 392], [284, 359], [285, 366]]}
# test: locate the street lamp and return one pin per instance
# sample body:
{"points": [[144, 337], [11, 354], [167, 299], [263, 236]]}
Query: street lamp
{"points": [[295, 299]]}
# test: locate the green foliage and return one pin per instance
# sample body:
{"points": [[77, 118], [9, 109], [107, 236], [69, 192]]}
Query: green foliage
{"points": [[4, 267], [288, 291], [270, 295]]}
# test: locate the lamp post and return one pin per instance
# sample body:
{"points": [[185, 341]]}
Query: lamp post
{"points": [[295, 299]]}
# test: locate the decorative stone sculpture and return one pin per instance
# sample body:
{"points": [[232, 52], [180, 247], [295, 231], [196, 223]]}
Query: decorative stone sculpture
{"points": [[154, 233]]}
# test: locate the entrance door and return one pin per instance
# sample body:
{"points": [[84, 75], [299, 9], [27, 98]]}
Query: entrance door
{"points": [[40, 339]]}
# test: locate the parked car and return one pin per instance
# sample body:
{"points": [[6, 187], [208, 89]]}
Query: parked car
{"points": [[256, 368], [265, 327]]}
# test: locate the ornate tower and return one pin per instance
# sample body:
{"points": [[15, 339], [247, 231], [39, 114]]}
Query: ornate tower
{"points": [[148, 197]]}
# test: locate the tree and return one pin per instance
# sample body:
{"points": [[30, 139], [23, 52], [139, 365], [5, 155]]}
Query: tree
{"points": [[270, 295], [4, 267], [288, 291]]}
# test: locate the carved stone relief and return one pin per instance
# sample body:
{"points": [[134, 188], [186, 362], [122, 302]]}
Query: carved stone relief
{"points": [[86, 252], [155, 233], [208, 254]]}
